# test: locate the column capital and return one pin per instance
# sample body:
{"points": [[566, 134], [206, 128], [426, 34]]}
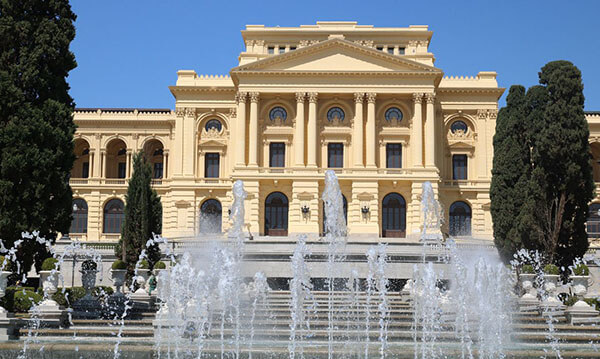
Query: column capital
{"points": [[254, 96], [430, 97], [240, 97], [371, 96], [185, 112], [359, 97], [417, 97], [300, 96], [312, 97]]}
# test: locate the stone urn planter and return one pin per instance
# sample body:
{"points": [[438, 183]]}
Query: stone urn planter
{"points": [[530, 296], [117, 276], [49, 281], [551, 287], [88, 307], [88, 280], [579, 283], [3, 281], [142, 280]]}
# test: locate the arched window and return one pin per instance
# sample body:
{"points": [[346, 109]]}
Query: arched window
{"points": [[276, 214], [593, 221], [460, 219], [278, 114], [210, 216], [335, 114], [213, 124], [459, 125], [393, 221], [393, 114], [113, 216], [80, 216], [345, 208]]}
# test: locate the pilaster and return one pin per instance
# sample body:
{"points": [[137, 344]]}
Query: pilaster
{"points": [[416, 137], [357, 139], [253, 130], [312, 130], [370, 143], [430, 131], [299, 131]]}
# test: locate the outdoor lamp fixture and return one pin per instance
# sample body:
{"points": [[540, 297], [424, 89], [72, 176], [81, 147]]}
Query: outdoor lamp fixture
{"points": [[305, 209], [365, 211]]}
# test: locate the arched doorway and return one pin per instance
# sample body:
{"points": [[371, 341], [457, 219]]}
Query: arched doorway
{"points": [[154, 153], [81, 166], [116, 159], [460, 219], [114, 213], [393, 216], [80, 216], [276, 214], [345, 208], [211, 214], [593, 221]]}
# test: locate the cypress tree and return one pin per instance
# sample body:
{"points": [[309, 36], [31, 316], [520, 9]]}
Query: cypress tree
{"points": [[509, 173], [143, 216], [36, 122], [561, 184]]}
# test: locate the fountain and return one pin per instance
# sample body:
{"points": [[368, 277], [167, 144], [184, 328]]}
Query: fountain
{"points": [[458, 303]]}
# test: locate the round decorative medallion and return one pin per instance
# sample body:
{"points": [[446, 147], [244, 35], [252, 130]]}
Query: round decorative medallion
{"points": [[335, 114], [278, 114], [457, 126], [213, 124], [393, 114]]}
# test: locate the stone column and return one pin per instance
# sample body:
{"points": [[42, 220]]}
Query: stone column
{"points": [[128, 164], [189, 141], [102, 163], [253, 130], [299, 134], [240, 154], [92, 164], [312, 130], [358, 129], [370, 145], [416, 138], [430, 132], [165, 163]]}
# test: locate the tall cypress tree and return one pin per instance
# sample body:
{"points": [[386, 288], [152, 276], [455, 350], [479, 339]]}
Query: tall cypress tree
{"points": [[561, 184], [36, 122], [510, 173], [143, 215]]}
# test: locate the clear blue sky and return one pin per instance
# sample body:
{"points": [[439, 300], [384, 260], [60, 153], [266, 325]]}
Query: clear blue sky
{"points": [[128, 51]]}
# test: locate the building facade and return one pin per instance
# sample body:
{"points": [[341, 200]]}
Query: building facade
{"points": [[366, 102]]}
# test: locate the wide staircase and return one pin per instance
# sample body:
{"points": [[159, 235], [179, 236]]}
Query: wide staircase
{"points": [[339, 322]]}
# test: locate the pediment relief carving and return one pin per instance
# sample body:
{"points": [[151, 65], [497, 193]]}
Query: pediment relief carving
{"points": [[461, 136]]}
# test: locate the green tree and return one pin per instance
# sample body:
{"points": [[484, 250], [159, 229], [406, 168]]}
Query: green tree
{"points": [[510, 173], [561, 184], [36, 122], [542, 177], [143, 216]]}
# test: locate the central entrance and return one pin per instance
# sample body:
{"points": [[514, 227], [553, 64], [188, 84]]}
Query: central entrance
{"points": [[393, 216]]}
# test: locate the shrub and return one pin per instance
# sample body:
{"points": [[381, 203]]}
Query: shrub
{"points": [[581, 270], [72, 295], [8, 266], [144, 264], [119, 264], [570, 300], [23, 300], [593, 302], [50, 264], [89, 265], [160, 265], [527, 269], [551, 269]]}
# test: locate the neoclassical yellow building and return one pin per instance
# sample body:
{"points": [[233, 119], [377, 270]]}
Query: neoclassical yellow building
{"points": [[366, 102]]}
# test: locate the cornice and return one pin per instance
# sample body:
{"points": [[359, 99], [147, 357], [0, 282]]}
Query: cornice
{"points": [[188, 88], [341, 73]]}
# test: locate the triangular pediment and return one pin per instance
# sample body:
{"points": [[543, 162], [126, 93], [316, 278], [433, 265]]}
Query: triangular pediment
{"points": [[336, 55]]}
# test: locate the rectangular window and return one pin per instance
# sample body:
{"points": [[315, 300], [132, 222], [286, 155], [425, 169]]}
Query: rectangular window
{"points": [[292, 48], [158, 170], [121, 170], [400, 51], [459, 167], [211, 165], [271, 50], [335, 155], [393, 153], [380, 48], [390, 50], [277, 154], [282, 50], [85, 170]]}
